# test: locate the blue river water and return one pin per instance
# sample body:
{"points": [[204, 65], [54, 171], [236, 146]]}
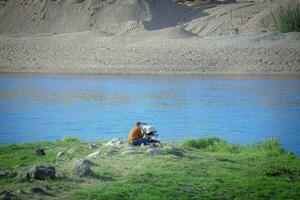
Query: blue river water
{"points": [[238, 109]]}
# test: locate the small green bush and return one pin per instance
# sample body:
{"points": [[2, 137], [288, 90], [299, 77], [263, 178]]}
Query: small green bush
{"points": [[68, 138], [289, 18]]}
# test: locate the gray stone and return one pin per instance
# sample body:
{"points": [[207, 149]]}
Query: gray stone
{"points": [[38, 189], [72, 150], [93, 146], [18, 192], [6, 195], [150, 147], [129, 149], [174, 151], [115, 142], [58, 149], [4, 174], [154, 152], [93, 155], [39, 172], [111, 151], [82, 167], [40, 152], [61, 153], [129, 152], [60, 175]]}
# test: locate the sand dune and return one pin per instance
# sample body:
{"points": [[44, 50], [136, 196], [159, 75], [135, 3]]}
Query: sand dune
{"points": [[144, 36]]}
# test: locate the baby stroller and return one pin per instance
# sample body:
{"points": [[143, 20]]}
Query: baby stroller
{"points": [[150, 134]]}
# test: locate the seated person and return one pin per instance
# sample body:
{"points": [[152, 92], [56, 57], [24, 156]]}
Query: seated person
{"points": [[136, 135]]}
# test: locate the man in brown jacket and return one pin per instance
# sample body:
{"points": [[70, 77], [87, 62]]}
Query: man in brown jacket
{"points": [[136, 135]]}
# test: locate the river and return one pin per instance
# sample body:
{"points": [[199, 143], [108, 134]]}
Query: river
{"points": [[238, 109]]}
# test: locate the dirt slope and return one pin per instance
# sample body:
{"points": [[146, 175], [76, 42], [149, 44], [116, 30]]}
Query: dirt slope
{"points": [[145, 36], [119, 16]]}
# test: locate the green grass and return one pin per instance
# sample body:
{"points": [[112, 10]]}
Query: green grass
{"points": [[208, 168], [289, 18]]}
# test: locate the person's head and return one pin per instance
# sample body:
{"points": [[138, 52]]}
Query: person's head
{"points": [[138, 124]]}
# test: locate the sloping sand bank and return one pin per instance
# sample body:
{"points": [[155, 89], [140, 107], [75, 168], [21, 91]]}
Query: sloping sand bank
{"points": [[165, 51], [145, 36]]}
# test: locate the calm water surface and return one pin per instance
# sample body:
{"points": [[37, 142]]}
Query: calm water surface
{"points": [[241, 110]]}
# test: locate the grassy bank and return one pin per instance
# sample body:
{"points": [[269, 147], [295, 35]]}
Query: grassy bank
{"points": [[207, 168]]}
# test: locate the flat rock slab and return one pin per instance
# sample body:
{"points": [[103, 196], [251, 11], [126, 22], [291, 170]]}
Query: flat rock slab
{"points": [[129, 152], [60, 154], [93, 155], [115, 142], [39, 189]]}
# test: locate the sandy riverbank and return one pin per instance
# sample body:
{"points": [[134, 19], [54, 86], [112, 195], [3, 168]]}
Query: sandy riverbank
{"points": [[90, 52]]}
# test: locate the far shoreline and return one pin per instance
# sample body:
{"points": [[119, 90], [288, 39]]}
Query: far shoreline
{"points": [[251, 75], [75, 139]]}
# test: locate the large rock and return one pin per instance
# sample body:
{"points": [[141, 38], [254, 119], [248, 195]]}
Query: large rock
{"points": [[39, 172], [82, 167], [115, 142]]}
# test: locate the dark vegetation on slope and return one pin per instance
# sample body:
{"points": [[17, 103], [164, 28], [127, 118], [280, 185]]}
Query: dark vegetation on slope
{"points": [[289, 18]]}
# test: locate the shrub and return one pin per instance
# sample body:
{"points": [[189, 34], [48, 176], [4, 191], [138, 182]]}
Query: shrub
{"points": [[289, 18], [68, 138]]}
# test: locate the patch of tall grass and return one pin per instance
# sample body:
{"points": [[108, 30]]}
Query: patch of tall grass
{"points": [[68, 138], [214, 144], [289, 18], [269, 145]]}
